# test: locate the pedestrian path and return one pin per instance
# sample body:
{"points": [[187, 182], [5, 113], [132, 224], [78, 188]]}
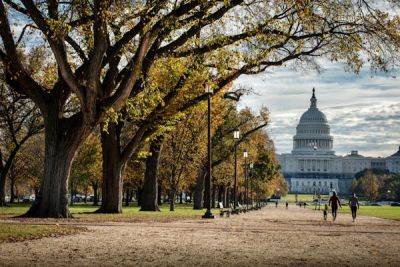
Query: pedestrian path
{"points": [[273, 236]]}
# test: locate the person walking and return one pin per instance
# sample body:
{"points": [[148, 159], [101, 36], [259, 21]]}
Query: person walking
{"points": [[287, 205], [354, 206], [334, 202]]}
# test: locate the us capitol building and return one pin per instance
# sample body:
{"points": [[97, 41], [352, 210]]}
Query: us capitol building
{"points": [[312, 166]]}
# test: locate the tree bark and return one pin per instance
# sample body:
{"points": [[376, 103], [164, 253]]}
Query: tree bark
{"points": [[225, 196], [181, 198], [2, 190], [172, 199], [150, 185], [61, 144], [159, 193], [86, 193], [12, 189], [213, 192], [199, 188], [228, 196], [127, 197], [72, 195], [112, 171], [4, 169], [95, 188], [139, 196]]}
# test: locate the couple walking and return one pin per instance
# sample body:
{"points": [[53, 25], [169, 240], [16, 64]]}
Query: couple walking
{"points": [[334, 202]]}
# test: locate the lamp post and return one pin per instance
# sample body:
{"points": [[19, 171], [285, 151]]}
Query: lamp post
{"points": [[250, 189], [207, 182], [245, 155], [236, 135]]}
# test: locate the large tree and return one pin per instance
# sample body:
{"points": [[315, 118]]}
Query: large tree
{"points": [[102, 48]]}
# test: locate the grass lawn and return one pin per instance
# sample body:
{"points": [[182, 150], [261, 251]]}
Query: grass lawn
{"points": [[20, 232], [85, 212], [386, 212], [300, 197]]}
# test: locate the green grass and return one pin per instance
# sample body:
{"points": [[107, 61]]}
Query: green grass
{"points": [[385, 212], [20, 232], [301, 197], [86, 213]]}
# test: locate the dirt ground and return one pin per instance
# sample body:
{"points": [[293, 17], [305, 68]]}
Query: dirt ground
{"points": [[271, 236]]}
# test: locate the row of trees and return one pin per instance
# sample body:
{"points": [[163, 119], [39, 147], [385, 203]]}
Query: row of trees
{"points": [[130, 69], [376, 184], [176, 155]]}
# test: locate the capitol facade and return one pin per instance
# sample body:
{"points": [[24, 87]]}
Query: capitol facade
{"points": [[313, 167]]}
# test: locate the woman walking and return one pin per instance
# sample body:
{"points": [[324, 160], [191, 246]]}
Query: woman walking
{"points": [[354, 206]]}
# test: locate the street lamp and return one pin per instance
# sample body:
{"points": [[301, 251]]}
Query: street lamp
{"points": [[236, 135], [207, 182], [250, 176], [245, 155]]}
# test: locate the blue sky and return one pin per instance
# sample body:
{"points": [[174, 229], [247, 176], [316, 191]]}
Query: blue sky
{"points": [[363, 110]]}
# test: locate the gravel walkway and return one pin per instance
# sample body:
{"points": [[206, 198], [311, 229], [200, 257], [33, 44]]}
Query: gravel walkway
{"points": [[272, 236]]}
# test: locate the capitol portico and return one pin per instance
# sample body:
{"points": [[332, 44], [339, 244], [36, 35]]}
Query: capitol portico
{"points": [[313, 167]]}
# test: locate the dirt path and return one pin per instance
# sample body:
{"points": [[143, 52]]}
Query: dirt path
{"points": [[272, 236]]}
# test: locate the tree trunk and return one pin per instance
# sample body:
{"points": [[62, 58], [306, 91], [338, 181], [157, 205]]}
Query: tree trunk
{"points": [[213, 192], [139, 196], [12, 189], [4, 170], [225, 196], [127, 196], [86, 193], [95, 194], [150, 185], [172, 199], [181, 198], [61, 144], [2, 189], [199, 188], [112, 171], [220, 193], [72, 195], [159, 192], [228, 196]]}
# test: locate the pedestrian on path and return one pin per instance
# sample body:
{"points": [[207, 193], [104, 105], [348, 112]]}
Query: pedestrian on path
{"points": [[276, 204], [354, 206], [334, 202], [287, 205]]}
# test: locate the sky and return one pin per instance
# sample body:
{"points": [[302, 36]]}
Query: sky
{"points": [[363, 110]]}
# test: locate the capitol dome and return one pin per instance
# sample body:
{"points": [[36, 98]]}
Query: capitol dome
{"points": [[313, 132], [313, 115]]}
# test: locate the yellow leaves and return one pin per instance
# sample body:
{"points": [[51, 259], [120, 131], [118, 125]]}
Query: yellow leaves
{"points": [[110, 116], [58, 28]]}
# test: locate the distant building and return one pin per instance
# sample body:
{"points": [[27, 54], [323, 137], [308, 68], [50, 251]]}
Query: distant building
{"points": [[312, 166]]}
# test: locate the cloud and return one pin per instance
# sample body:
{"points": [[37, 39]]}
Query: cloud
{"points": [[362, 110]]}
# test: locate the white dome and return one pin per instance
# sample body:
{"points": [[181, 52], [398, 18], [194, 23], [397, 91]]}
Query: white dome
{"points": [[313, 132], [313, 115]]}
